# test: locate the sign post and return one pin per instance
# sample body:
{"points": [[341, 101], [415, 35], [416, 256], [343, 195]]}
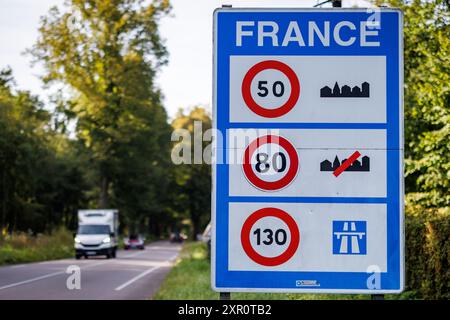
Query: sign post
{"points": [[308, 173]]}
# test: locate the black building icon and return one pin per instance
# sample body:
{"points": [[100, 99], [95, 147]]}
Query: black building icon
{"points": [[346, 91], [363, 165]]}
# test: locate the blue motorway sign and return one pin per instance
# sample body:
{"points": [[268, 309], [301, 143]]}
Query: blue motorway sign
{"points": [[308, 151]]}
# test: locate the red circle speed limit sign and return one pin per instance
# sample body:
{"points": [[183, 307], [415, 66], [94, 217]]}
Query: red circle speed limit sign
{"points": [[271, 242], [270, 163], [272, 98]]}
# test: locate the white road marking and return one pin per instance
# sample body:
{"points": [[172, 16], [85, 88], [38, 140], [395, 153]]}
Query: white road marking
{"points": [[163, 248], [32, 280], [143, 274], [173, 257], [46, 276]]}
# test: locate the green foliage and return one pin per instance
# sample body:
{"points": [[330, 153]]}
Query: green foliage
{"points": [[427, 100], [193, 180], [23, 247], [40, 179], [428, 252]]}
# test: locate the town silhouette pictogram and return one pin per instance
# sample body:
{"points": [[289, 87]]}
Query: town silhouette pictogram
{"points": [[346, 91]]}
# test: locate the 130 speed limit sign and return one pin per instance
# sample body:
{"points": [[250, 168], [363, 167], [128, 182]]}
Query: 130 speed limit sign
{"points": [[270, 236]]}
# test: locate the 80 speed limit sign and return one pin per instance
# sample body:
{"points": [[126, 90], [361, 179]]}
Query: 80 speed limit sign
{"points": [[270, 162]]}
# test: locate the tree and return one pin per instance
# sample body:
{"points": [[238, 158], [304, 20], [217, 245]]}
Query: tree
{"points": [[107, 54], [427, 100], [193, 180], [40, 176]]}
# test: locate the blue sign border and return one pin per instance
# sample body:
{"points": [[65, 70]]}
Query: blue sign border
{"points": [[390, 36]]}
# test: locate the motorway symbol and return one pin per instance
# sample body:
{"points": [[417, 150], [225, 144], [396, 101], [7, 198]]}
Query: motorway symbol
{"points": [[276, 237], [270, 163], [349, 237], [277, 89]]}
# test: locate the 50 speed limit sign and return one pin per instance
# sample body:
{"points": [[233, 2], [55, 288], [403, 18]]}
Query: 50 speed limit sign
{"points": [[307, 181], [257, 91]]}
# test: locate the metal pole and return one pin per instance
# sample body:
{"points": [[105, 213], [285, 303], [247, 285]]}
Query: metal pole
{"points": [[225, 296], [377, 297]]}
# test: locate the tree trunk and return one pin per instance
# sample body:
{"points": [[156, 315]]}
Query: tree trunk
{"points": [[104, 199], [195, 227]]}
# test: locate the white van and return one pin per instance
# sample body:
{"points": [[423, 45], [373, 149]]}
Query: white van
{"points": [[97, 233]]}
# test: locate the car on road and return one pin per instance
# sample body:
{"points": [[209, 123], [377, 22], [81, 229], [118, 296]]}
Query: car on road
{"points": [[134, 242], [177, 237]]}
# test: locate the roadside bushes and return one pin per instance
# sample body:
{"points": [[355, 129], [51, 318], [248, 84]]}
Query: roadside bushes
{"points": [[427, 252], [21, 247]]}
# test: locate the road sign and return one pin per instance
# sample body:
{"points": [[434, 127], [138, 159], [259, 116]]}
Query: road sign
{"points": [[274, 236], [261, 162], [308, 176]]}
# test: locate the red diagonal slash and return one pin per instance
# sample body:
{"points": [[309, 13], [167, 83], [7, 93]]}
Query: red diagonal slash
{"points": [[347, 163]]}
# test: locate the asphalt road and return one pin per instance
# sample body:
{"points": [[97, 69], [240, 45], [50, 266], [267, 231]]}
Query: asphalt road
{"points": [[132, 275]]}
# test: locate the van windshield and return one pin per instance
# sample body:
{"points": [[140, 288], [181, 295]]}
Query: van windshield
{"points": [[94, 229]]}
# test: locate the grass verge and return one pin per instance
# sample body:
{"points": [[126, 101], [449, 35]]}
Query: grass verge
{"points": [[22, 247]]}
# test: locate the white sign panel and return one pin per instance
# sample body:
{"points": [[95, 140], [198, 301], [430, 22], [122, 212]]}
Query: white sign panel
{"points": [[310, 106]]}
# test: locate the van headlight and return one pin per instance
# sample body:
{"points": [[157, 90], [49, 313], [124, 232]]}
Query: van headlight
{"points": [[77, 240], [107, 240]]}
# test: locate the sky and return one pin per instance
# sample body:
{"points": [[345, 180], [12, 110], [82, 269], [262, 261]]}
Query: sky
{"points": [[185, 82]]}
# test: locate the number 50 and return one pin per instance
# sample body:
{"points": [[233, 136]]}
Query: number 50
{"points": [[277, 89]]}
